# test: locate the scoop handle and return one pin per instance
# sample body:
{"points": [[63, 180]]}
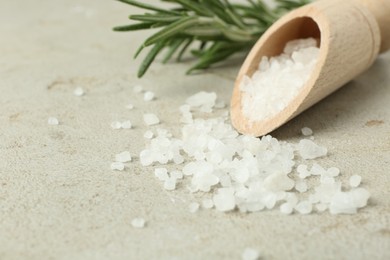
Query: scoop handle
{"points": [[381, 11]]}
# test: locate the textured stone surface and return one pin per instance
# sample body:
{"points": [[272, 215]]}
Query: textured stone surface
{"points": [[60, 200]]}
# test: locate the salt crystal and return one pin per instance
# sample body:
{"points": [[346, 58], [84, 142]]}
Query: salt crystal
{"points": [[286, 208], [321, 207], [304, 207], [123, 157], [161, 174], [116, 125], [176, 175], [250, 254], [224, 200], [117, 166], [148, 96], [306, 131], [126, 124], [303, 171], [151, 119], [355, 180], [194, 207], [278, 80], [207, 203], [146, 157], [138, 222], [349, 202], [78, 92], [130, 106], [301, 186], [138, 89], [148, 134], [53, 121], [170, 184], [309, 150], [204, 101], [278, 182]]}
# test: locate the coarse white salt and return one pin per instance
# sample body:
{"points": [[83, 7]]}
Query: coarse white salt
{"points": [[321, 207], [224, 200], [138, 223], [349, 202], [304, 207], [301, 186], [250, 254], [303, 171], [116, 125], [148, 134], [148, 96], [170, 184], [176, 175], [193, 207], [123, 157], [151, 119], [207, 203], [306, 131], [78, 92], [126, 124], [286, 208], [278, 80], [130, 106], [53, 121], [278, 182], [138, 89], [204, 101], [161, 174], [117, 166], [355, 180], [310, 150]]}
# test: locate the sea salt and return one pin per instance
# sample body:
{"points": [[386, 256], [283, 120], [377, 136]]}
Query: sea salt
{"points": [[286, 208], [310, 150], [278, 80], [250, 254], [355, 180], [138, 223], [193, 207], [207, 203], [161, 174], [78, 92], [117, 166], [148, 96], [130, 106], [123, 157], [349, 202], [116, 125], [170, 184], [151, 119], [148, 134], [306, 131], [53, 121], [126, 124], [304, 207]]}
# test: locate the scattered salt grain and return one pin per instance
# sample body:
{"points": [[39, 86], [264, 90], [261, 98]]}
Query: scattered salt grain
{"points": [[355, 180], [194, 207], [117, 166], [306, 131], [278, 80], [321, 207], [116, 125], [224, 200], [130, 106], [250, 254], [286, 208], [170, 184], [126, 124], [301, 186], [53, 121], [151, 119], [78, 92], [207, 203], [349, 202], [148, 96], [204, 101], [123, 157], [161, 174], [138, 89], [310, 150], [304, 207], [148, 134], [138, 223], [176, 175]]}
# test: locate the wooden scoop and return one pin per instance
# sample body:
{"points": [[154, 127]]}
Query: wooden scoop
{"points": [[351, 34]]}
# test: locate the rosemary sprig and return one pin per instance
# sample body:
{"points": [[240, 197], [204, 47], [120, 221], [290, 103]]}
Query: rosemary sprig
{"points": [[220, 27]]}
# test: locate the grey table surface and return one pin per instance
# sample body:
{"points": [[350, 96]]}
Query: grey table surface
{"points": [[60, 200]]}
